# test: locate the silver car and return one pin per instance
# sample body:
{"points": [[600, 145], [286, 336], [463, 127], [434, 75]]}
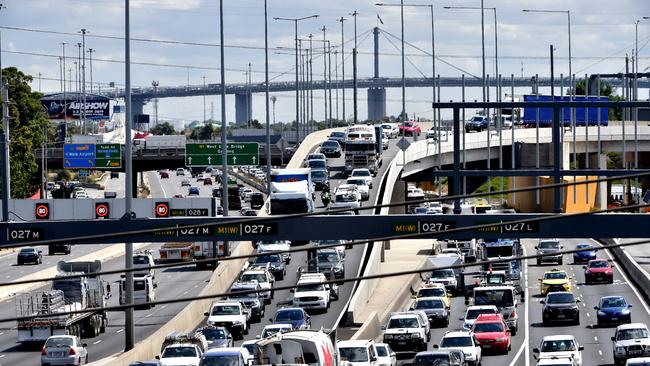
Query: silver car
{"points": [[64, 350]]}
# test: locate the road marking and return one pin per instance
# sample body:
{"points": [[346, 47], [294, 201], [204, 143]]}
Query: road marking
{"points": [[120, 331], [636, 292], [148, 315], [185, 293], [588, 315], [596, 338], [162, 307], [524, 345], [600, 352], [97, 342], [1, 356]]}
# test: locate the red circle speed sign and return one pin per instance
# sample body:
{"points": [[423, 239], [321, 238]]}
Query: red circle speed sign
{"points": [[101, 210], [162, 209], [42, 211]]}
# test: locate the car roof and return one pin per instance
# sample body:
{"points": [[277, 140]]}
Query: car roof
{"points": [[457, 333], [277, 326], [559, 337], [489, 318], [428, 298], [293, 308], [355, 343], [481, 307], [229, 351], [429, 285], [631, 326]]}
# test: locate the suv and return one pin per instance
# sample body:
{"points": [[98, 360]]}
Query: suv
{"points": [[59, 248], [358, 352], [230, 314], [560, 346], [407, 331], [329, 262], [311, 293], [560, 306], [551, 249], [630, 340], [436, 309], [331, 148], [253, 301], [463, 341], [446, 277], [276, 264], [363, 173], [263, 277], [180, 171], [143, 260], [477, 123], [362, 186]]}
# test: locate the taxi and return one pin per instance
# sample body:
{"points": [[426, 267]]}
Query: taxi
{"points": [[555, 280], [434, 290]]}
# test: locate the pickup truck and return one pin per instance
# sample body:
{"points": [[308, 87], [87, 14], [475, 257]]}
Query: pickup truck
{"points": [[230, 314]]}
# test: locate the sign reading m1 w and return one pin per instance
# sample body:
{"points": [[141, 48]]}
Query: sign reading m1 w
{"points": [[206, 154]]}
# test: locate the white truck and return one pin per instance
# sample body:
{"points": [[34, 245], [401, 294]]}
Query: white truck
{"points": [[504, 298], [311, 292], [292, 191], [203, 250], [176, 252], [407, 331], [163, 142], [180, 349], [144, 290], [346, 196], [144, 259], [361, 150], [230, 314], [65, 295], [311, 347]]}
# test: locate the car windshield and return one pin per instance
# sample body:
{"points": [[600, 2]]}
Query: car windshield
{"points": [[311, 287], [426, 292], [140, 259], [408, 124], [330, 144], [59, 342], [345, 197], [598, 264], [439, 359], [402, 323], [442, 273], [27, 251], [448, 342], [221, 360], [612, 302], [560, 298], [381, 351], [171, 352], [327, 257], [270, 258], [488, 328], [584, 246], [558, 345], [259, 277], [72, 289], [477, 119], [499, 298], [360, 173], [429, 304], [354, 354], [359, 182], [287, 315], [337, 134], [474, 313], [318, 174], [549, 245], [635, 333], [235, 295], [213, 333], [555, 275], [317, 164], [225, 310]]}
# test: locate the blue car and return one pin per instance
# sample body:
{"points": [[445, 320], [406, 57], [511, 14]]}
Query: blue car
{"points": [[613, 310], [585, 255], [297, 317]]}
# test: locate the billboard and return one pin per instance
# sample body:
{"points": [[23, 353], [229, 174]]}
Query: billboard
{"points": [[71, 106]]}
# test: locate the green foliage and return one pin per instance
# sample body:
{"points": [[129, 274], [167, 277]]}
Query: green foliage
{"points": [[63, 175], [614, 114], [164, 128], [27, 119], [495, 186], [205, 132]]}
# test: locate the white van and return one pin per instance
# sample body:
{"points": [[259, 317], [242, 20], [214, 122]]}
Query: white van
{"points": [[143, 290]]}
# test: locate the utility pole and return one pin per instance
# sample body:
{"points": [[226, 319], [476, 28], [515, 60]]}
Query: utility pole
{"points": [[83, 75], [224, 124], [324, 29], [90, 53], [343, 67], [266, 99], [39, 82], [310, 79], [354, 67], [336, 77], [329, 82], [6, 170], [204, 91], [65, 96]]}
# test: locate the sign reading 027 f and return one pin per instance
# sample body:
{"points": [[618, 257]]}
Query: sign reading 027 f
{"points": [[237, 153]]}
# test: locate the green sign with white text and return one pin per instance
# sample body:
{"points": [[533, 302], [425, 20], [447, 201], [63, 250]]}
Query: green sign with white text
{"points": [[206, 154]]}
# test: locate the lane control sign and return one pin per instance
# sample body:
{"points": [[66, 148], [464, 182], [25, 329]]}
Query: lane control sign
{"points": [[162, 209], [42, 211], [102, 210]]}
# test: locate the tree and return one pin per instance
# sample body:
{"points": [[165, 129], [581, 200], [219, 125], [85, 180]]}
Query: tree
{"points": [[614, 114], [164, 128], [202, 133], [27, 120]]}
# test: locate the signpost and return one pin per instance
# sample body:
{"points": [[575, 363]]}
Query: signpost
{"points": [[108, 156], [238, 153], [78, 156]]}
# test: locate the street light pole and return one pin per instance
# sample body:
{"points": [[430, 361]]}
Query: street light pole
{"points": [[90, 53], [354, 69], [324, 29], [83, 75], [224, 124], [204, 118], [483, 51], [266, 100], [343, 67], [295, 21], [129, 327]]}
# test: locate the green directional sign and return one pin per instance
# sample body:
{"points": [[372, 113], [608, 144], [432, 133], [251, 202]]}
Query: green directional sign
{"points": [[237, 153], [108, 156]]}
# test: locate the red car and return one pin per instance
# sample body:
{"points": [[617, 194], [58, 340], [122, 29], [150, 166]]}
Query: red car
{"points": [[492, 333], [207, 181], [599, 270], [410, 128], [164, 174]]}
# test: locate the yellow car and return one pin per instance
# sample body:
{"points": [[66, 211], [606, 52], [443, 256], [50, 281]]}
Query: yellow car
{"points": [[555, 280], [434, 290]]}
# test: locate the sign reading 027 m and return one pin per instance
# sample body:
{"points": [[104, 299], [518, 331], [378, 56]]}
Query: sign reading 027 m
{"points": [[237, 153]]}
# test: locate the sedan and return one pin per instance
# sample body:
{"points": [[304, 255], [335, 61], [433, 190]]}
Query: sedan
{"points": [[385, 355], [217, 337], [248, 212], [410, 128], [29, 255], [297, 317], [613, 310], [585, 255], [185, 182], [207, 181], [193, 191], [164, 174], [64, 350], [599, 270]]}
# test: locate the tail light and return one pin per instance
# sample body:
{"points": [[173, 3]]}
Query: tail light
{"points": [[43, 352], [513, 314], [197, 248], [72, 352], [184, 254], [163, 255]]}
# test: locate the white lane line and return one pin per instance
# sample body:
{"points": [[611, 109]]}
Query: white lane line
{"points": [[596, 338], [524, 345], [600, 352], [120, 331], [588, 315], [148, 315], [1, 356], [185, 293], [162, 307], [1, 333], [97, 342], [634, 289]]}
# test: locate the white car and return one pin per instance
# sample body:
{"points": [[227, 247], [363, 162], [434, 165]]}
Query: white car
{"points": [[362, 173], [340, 247], [311, 293], [181, 354], [362, 186], [638, 361], [463, 341], [263, 276], [385, 355], [230, 314], [272, 329], [413, 193], [358, 352], [556, 361], [432, 134], [560, 346], [630, 340], [64, 350], [81, 194], [474, 311], [390, 129], [276, 246], [346, 196]]}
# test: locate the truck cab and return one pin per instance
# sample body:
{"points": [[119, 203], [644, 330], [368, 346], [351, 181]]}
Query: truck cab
{"points": [[144, 259], [144, 290], [230, 314], [504, 298]]}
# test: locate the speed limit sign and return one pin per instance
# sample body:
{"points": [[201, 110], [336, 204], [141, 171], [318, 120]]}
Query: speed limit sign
{"points": [[162, 209], [101, 210], [42, 211]]}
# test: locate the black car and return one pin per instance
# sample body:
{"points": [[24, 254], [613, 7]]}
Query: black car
{"points": [[560, 307], [317, 164], [320, 178], [29, 255], [219, 210], [247, 212], [59, 248], [217, 337], [277, 264], [331, 148], [435, 309], [329, 262], [216, 192], [240, 291], [257, 200], [338, 136]]}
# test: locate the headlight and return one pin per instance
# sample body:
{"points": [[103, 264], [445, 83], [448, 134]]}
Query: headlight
{"points": [[415, 335], [601, 313], [237, 322], [338, 268], [388, 336], [502, 339], [620, 350]]}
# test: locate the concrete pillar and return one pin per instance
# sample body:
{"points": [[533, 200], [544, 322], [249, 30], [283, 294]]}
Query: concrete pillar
{"points": [[137, 107], [243, 108], [376, 103]]}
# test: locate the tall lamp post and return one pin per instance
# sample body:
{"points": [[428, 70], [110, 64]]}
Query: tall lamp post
{"points": [[295, 22]]}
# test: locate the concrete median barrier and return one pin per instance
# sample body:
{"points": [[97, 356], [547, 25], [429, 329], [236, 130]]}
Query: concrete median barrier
{"points": [[637, 275]]}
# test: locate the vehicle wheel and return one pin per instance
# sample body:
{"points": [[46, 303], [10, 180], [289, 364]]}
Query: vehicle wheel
{"points": [[577, 321], [280, 276], [539, 262], [560, 262], [86, 360], [513, 332]]}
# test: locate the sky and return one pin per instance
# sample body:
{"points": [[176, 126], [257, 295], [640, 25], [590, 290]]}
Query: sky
{"points": [[602, 33]]}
